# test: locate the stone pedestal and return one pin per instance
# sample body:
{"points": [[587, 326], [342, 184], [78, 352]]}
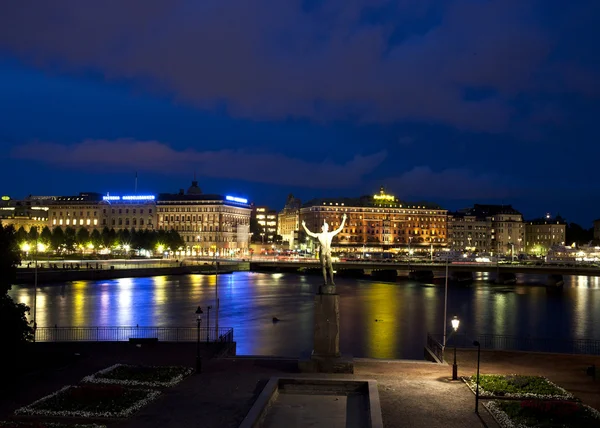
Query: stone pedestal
{"points": [[326, 356]]}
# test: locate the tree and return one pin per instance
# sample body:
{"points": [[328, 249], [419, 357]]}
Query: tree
{"points": [[22, 235], [106, 237], [58, 239], [33, 235], [46, 236], [15, 328], [70, 238], [578, 235], [10, 257], [124, 237], [83, 237], [96, 238]]}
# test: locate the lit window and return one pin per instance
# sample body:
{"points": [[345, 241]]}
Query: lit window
{"points": [[88, 221]]}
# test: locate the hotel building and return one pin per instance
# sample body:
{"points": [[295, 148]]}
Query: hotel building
{"points": [[543, 234], [207, 223], [379, 222]]}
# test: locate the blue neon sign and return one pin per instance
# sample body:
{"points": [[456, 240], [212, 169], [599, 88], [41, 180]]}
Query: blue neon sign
{"points": [[129, 198], [236, 199]]}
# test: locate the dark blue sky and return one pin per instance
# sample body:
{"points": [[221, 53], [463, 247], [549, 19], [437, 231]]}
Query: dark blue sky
{"points": [[454, 101]]}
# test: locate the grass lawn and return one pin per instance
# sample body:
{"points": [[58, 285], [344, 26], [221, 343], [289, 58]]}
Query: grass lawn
{"points": [[144, 373], [544, 413], [518, 385]]}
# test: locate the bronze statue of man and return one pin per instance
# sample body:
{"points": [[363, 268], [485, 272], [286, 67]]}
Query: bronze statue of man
{"points": [[325, 238]]}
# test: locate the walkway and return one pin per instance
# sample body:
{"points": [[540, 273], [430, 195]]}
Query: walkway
{"points": [[412, 393]]}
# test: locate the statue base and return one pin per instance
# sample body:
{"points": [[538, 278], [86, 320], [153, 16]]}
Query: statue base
{"points": [[326, 289], [326, 356]]}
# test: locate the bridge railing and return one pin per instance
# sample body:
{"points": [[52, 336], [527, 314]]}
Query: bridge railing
{"points": [[522, 343], [123, 334]]}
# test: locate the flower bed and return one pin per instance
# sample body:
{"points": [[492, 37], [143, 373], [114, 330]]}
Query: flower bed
{"points": [[543, 413], [148, 376], [30, 424], [517, 386], [89, 401]]}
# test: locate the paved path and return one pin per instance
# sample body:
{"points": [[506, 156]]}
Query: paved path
{"points": [[412, 394]]}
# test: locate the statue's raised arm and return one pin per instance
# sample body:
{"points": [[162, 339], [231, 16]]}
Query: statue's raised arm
{"points": [[308, 232], [339, 229]]}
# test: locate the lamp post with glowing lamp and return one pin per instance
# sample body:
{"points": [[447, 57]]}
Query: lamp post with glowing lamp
{"points": [[198, 357], [455, 322]]}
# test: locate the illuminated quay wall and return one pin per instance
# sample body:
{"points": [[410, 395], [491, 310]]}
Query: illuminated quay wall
{"points": [[207, 223], [379, 222]]}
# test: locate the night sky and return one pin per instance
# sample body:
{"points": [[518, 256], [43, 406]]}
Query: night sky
{"points": [[454, 102]]}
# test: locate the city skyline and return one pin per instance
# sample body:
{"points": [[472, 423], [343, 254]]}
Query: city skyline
{"points": [[148, 195], [455, 103]]}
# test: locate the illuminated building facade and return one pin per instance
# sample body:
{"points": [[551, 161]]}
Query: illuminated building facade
{"points": [[95, 211], [469, 232], [267, 221], [507, 233], [288, 221], [379, 222], [206, 223], [26, 213], [543, 234]]}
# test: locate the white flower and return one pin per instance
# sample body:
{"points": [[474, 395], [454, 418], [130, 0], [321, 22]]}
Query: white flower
{"points": [[33, 410], [97, 378]]}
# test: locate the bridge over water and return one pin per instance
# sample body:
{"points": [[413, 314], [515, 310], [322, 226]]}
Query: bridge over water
{"points": [[505, 273]]}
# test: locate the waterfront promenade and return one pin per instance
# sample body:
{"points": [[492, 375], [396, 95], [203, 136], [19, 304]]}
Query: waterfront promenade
{"points": [[412, 393], [53, 271]]}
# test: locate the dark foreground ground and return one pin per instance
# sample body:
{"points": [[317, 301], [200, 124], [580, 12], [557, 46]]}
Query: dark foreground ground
{"points": [[412, 394]]}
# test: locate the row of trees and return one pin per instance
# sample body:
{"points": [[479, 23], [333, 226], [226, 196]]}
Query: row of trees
{"points": [[70, 240]]}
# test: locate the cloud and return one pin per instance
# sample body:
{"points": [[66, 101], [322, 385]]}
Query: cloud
{"points": [[453, 183], [271, 168], [381, 61]]}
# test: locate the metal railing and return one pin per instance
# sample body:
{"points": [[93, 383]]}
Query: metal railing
{"points": [[435, 347], [522, 343], [123, 334]]}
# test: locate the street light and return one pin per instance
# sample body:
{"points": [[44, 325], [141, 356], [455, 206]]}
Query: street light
{"points": [[198, 357], [455, 322], [445, 300], [476, 343], [208, 323]]}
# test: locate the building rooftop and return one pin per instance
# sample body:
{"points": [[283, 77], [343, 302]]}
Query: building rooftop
{"points": [[369, 201], [489, 210]]}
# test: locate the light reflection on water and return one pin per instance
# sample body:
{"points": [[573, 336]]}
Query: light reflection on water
{"points": [[379, 320]]}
